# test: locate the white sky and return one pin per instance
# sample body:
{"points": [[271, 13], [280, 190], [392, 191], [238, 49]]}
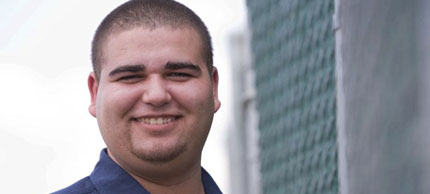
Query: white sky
{"points": [[48, 140]]}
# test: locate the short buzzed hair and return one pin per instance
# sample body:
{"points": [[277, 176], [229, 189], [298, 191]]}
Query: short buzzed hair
{"points": [[148, 14]]}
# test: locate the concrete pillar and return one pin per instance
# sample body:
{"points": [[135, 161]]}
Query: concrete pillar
{"points": [[382, 64]]}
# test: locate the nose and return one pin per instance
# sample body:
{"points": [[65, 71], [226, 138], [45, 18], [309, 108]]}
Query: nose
{"points": [[156, 93]]}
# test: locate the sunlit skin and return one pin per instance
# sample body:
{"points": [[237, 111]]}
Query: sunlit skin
{"points": [[154, 103]]}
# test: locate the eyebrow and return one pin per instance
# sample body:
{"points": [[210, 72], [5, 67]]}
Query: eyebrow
{"points": [[127, 68], [182, 65]]}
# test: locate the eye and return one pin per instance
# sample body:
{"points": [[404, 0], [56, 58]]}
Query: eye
{"points": [[179, 76], [129, 78]]}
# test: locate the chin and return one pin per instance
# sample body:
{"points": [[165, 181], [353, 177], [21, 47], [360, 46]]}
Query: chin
{"points": [[159, 154]]}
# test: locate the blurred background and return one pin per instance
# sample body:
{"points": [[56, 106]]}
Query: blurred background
{"points": [[318, 96]]}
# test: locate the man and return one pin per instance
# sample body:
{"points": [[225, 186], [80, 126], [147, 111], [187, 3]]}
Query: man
{"points": [[154, 93]]}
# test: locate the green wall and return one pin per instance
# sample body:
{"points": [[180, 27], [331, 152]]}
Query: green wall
{"points": [[293, 56]]}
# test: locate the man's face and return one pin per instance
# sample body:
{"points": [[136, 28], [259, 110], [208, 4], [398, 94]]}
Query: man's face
{"points": [[155, 97]]}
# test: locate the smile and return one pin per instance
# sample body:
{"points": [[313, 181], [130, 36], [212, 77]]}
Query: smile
{"points": [[156, 120]]}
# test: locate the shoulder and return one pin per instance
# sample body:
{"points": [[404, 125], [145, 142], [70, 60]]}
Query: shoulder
{"points": [[83, 186]]}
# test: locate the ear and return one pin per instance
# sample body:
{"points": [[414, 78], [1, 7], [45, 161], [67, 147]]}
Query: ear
{"points": [[93, 87], [214, 76]]}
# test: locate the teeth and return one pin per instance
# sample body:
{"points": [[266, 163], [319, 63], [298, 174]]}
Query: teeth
{"points": [[156, 120]]}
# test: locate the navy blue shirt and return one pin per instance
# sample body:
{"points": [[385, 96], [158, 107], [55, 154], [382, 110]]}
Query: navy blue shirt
{"points": [[109, 178]]}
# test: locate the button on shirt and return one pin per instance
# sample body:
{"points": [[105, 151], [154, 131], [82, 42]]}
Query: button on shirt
{"points": [[109, 178]]}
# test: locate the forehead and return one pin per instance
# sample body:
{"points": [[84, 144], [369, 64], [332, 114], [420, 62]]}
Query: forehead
{"points": [[150, 45]]}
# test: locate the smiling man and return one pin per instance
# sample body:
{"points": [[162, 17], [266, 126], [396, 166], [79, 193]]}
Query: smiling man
{"points": [[154, 93]]}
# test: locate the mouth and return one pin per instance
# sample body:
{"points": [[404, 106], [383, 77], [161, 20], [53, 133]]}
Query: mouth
{"points": [[160, 120]]}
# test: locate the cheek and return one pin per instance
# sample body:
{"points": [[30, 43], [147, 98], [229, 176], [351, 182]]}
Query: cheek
{"points": [[112, 108], [115, 102], [197, 93], [198, 103]]}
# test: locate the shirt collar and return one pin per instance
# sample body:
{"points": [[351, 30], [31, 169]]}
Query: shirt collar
{"points": [[109, 178], [209, 184]]}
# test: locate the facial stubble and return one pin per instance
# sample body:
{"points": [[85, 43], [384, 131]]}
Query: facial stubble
{"points": [[160, 154]]}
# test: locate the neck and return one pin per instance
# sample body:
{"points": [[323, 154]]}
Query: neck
{"points": [[181, 175], [187, 184]]}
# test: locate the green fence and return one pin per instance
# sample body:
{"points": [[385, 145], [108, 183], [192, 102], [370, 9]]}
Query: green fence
{"points": [[293, 56]]}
